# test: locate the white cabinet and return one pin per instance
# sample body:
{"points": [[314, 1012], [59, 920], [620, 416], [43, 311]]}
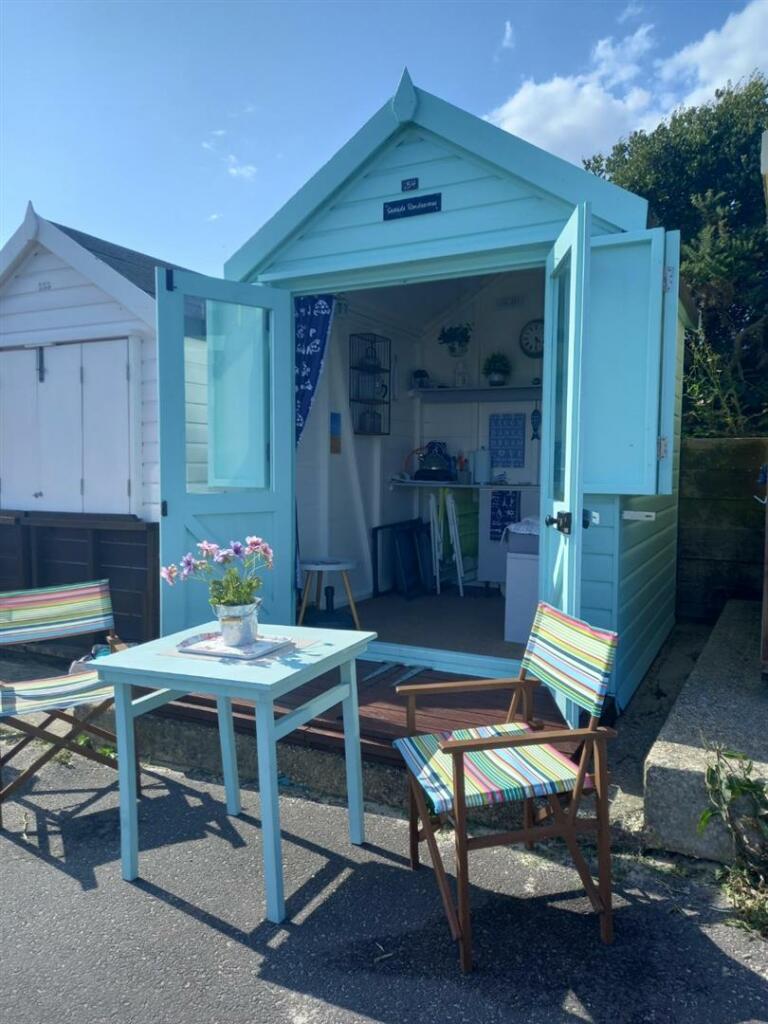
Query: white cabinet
{"points": [[521, 596], [66, 433]]}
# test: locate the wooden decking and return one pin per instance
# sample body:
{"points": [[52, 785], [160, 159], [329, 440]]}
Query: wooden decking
{"points": [[382, 712]]}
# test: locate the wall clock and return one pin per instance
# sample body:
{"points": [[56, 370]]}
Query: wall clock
{"points": [[532, 339]]}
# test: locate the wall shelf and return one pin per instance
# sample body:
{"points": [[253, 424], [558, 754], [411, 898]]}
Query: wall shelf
{"points": [[487, 394], [452, 485]]}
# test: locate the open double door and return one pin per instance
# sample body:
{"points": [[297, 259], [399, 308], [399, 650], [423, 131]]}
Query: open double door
{"points": [[226, 400]]}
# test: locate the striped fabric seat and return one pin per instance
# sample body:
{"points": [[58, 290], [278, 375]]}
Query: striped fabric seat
{"points": [[48, 613], [491, 776], [58, 693], [570, 657]]}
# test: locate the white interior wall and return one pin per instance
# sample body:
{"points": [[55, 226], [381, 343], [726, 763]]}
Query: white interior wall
{"points": [[340, 497]]}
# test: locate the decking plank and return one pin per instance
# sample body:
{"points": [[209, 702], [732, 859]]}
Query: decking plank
{"points": [[382, 712]]}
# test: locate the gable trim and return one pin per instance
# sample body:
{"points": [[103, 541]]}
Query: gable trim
{"points": [[35, 230], [612, 205]]}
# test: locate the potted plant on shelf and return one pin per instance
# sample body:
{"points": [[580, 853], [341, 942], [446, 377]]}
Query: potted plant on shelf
{"points": [[233, 579], [497, 369], [456, 338]]}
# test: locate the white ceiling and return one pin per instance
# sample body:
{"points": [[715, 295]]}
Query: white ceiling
{"points": [[417, 305]]}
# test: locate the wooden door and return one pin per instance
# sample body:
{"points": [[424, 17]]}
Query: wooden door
{"points": [[19, 462], [226, 392]]}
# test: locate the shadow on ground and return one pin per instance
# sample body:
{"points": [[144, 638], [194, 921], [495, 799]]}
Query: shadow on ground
{"points": [[365, 938]]}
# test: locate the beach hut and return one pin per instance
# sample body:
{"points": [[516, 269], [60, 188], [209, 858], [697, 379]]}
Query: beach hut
{"points": [[79, 466], [359, 322]]}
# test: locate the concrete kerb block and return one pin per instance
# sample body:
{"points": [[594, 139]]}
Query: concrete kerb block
{"points": [[723, 702]]}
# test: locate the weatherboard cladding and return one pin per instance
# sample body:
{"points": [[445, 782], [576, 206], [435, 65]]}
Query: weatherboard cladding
{"points": [[482, 207]]}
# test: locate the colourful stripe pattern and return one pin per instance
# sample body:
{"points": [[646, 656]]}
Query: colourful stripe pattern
{"points": [[490, 776], [58, 693], [570, 657], [49, 613]]}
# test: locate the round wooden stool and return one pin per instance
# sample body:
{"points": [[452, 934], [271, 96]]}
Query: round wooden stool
{"points": [[319, 567]]}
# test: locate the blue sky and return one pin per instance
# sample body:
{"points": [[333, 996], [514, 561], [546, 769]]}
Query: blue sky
{"points": [[178, 128]]}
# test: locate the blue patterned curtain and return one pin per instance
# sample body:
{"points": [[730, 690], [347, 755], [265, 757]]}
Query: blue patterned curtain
{"points": [[314, 314]]}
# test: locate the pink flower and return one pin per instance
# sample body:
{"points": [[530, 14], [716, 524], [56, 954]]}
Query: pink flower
{"points": [[169, 573], [237, 549], [253, 544], [208, 549], [223, 555]]}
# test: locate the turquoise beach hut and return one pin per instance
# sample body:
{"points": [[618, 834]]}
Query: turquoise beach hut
{"points": [[430, 219]]}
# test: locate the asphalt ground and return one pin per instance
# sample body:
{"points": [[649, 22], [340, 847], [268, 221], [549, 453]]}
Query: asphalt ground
{"points": [[365, 938]]}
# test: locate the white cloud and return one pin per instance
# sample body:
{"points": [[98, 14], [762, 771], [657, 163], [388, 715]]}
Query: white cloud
{"points": [[219, 131], [240, 170], [508, 40], [212, 217], [625, 89], [617, 62], [632, 10], [207, 145], [727, 54]]}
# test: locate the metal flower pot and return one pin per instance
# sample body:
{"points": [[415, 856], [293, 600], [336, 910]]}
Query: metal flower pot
{"points": [[239, 622]]}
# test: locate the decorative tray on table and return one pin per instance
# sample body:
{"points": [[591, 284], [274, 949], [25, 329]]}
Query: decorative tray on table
{"points": [[212, 645]]}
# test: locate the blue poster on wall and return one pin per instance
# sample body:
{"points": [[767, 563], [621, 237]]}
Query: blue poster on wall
{"points": [[506, 440], [505, 509]]}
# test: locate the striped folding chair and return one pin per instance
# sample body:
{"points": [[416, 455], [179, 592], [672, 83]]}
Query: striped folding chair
{"points": [[50, 613], [516, 761]]}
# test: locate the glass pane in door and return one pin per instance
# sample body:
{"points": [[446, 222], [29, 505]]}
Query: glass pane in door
{"points": [[562, 307], [227, 356]]}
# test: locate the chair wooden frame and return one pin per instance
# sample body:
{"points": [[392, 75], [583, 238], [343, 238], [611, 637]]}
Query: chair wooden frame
{"points": [[60, 742], [557, 817]]}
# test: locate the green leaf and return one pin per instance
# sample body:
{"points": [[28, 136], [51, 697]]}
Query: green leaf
{"points": [[704, 819]]}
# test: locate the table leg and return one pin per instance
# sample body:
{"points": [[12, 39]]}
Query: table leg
{"points": [[126, 766], [352, 756], [270, 810], [228, 754]]}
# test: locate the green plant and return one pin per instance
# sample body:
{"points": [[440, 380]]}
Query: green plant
{"points": [[712, 392], [740, 800], [497, 362], [457, 336], [233, 589]]}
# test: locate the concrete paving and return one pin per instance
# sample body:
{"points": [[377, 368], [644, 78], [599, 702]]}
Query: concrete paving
{"points": [[365, 938], [724, 701]]}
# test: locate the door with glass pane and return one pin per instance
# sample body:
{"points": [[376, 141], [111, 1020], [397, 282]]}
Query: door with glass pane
{"points": [[225, 374], [565, 316]]}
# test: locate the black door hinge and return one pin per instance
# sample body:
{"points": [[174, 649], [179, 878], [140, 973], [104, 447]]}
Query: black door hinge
{"points": [[163, 508]]}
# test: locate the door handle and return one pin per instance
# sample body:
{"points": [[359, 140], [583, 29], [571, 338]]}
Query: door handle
{"points": [[561, 522]]}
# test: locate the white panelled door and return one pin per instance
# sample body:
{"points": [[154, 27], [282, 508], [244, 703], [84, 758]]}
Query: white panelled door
{"points": [[60, 430], [19, 453], [68, 436]]}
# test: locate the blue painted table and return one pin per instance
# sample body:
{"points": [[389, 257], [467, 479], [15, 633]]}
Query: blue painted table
{"points": [[172, 675]]}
